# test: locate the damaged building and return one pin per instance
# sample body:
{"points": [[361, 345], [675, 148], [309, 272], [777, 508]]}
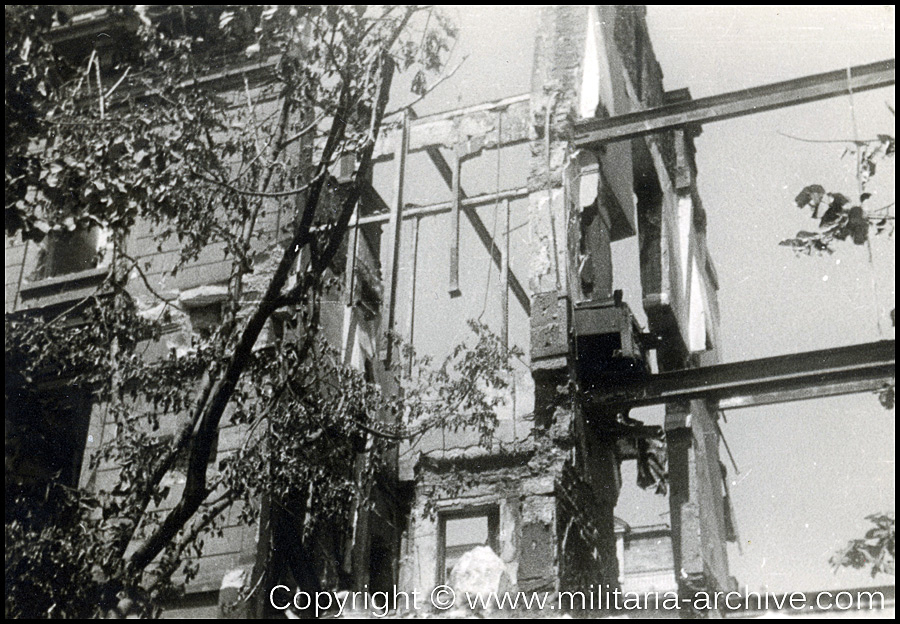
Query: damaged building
{"points": [[544, 494], [498, 213]]}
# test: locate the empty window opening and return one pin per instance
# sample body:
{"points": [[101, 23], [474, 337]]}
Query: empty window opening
{"points": [[71, 252], [205, 320], [45, 436], [462, 531]]}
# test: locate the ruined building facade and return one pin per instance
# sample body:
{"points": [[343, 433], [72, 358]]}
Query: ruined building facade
{"points": [[506, 220], [545, 494]]}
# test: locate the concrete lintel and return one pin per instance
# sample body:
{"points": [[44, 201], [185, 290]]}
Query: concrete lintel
{"points": [[474, 126], [203, 295]]}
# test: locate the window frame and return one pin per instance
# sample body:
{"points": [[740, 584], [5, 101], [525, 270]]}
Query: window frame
{"points": [[48, 259], [491, 511]]}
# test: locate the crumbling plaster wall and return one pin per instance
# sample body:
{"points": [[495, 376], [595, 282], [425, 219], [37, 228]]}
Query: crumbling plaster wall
{"points": [[578, 499], [521, 485]]}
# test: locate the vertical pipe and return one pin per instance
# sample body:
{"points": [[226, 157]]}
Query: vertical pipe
{"points": [[396, 222], [350, 268], [504, 277], [454, 226], [411, 323], [549, 164]]}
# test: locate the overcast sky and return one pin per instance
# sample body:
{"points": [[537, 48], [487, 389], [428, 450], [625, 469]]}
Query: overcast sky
{"points": [[809, 471]]}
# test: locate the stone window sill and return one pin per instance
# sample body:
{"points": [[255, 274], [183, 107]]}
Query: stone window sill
{"points": [[60, 283]]}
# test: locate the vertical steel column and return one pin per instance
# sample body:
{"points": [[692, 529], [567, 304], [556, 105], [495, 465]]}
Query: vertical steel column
{"points": [[504, 278], [396, 223], [411, 319], [454, 225]]}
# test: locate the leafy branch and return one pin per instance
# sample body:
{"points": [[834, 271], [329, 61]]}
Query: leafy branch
{"points": [[841, 218], [875, 551]]}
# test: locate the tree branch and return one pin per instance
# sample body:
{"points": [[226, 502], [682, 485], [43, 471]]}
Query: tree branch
{"points": [[365, 164], [428, 91], [215, 508], [312, 126], [205, 421], [839, 141], [234, 189], [209, 413], [143, 276]]}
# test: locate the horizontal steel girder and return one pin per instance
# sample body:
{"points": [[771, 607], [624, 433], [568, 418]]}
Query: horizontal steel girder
{"points": [[592, 132], [829, 372]]}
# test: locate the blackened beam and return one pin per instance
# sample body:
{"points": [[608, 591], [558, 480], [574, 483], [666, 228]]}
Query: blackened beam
{"points": [[396, 224], [468, 204], [794, 377], [592, 132], [372, 196], [478, 225]]}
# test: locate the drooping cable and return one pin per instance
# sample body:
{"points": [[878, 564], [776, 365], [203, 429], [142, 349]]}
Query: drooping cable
{"points": [[861, 187], [487, 286]]}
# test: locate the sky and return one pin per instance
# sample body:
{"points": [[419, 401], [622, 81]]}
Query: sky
{"points": [[809, 472]]}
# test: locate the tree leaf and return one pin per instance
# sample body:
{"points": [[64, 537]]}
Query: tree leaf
{"points": [[810, 196]]}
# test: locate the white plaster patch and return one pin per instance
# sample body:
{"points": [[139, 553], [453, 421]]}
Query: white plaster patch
{"points": [[203, 295], [234, 578]]}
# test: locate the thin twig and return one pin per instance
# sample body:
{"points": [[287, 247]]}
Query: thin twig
{"points": [[883, 208], [861, 187], [443, 78], [74, 306], [89, 124], [144, 279], [294, 191], [248, 167], [839, 141], [87, 72], [118, 82], [302, 132]]}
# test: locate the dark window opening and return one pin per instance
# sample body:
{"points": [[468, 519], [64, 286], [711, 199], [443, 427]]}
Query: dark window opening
{"points": [[205, 320], [45, 436], [381, 567], [460, 532], [69, 252]]}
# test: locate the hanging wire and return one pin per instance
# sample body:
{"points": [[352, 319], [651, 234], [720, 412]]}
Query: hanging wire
{"points": [[861, 187], [487, 286]]}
